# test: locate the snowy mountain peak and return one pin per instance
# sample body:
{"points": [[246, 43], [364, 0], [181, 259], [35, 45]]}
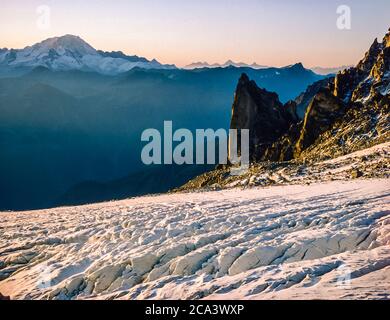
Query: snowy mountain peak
{"points": [[296, 66], [70, 52], [63, 44]]}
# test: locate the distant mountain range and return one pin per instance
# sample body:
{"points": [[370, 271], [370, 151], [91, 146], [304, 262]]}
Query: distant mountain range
{"points": [[68, 136], [72, 53], [228, 63], [326, 71]]}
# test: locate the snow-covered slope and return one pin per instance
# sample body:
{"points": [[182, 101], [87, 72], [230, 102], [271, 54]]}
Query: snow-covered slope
{"points": [[72, 53], [329, 239]]}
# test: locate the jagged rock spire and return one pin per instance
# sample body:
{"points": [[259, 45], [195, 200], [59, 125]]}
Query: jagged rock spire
{"points": [[366, 64], [386, 39], [355, 84]]}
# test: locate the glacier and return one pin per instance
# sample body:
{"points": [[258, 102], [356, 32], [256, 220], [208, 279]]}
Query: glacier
{"points": [[311, 240]]}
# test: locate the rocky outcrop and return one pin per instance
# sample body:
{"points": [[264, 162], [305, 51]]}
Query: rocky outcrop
{"points": [[362, 126], [341, 115], [344, 114], [365, 121], [348, 80], [4, 297], [324, 109], [284, 148], [291, 108], [320, 115], [371, 73], [262, 113], [304, 99]]}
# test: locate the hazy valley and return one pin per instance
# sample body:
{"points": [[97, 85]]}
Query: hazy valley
{"points": [[309, 219]]}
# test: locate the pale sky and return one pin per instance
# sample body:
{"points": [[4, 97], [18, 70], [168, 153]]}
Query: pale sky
{"points": [[269, 32]]}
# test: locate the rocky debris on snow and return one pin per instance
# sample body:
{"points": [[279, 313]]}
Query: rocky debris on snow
{"points": [[368, 163]]}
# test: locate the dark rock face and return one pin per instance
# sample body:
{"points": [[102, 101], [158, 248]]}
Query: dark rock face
{"points": [[262, 113], [4, 297], [366, 64], [275, 131], [324, 109], [304, 99], [322, 112], [355, 84], [348, 80], [342, 114], [284, 148], [291, 108], [356, 173]]}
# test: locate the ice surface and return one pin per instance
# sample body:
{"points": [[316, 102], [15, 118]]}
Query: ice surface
{"points": [[304, 241]]}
